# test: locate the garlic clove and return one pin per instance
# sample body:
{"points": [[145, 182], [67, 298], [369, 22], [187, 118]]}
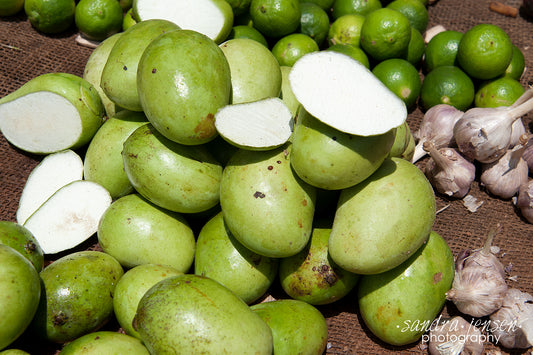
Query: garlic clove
{"points": [[455, 336], [517, 130], [524, 200]]}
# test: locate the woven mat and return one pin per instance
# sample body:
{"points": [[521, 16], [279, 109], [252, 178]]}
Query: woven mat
{"points": [[24, 54]]}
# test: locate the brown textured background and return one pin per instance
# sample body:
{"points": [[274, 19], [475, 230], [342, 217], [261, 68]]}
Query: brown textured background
{"points": [[24, 54]]}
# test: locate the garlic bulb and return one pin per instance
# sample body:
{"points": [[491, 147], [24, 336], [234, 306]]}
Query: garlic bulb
{"points": [[436, 126], [479, 285], [503, 177], [528, 155], [455, 336], [448, 172], [512, 324], [484, 134], [524, 200], [517, 130]]}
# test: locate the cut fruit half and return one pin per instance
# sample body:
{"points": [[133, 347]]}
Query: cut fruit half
{"points": [[258, 125], [213, 18], [344, 94], [69, 217], [53, 172]]}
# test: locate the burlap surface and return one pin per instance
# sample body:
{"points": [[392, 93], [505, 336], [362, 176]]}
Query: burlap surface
{"points": [[24, 54]]}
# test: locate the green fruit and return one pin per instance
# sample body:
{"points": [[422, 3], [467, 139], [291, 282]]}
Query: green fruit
{"points": [[297, 327], [130, 289], [14, 352], [161, 236], [183, 79], [286, 92], [329, 159], [119, 76], [103, 162], [255, 72], [266, 206], [403, 146], [105, 342], [177, 177], [380, 222], [194, 314], [21, 289], [311, 276], [22, 240], [222, 258], [78, 295], [400, 304]]}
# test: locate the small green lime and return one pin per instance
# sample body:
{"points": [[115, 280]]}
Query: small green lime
{"points": [[98, 19], [442, 49], [351, 51], [401, 77], [498, 92], [50, 16], [314, 22], [10, 7], [243, 31], [416, 48], [292, 47], [324, 4], [517, 65], [239, 6], [275, 18], [414, 10], [360, 7], [346, 30], [128, 20], [447, 84]]}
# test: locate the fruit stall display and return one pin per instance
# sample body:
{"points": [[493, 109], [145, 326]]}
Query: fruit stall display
{"points": [[362, 313]]}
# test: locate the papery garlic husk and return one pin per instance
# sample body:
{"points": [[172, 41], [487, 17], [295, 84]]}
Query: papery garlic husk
{"points": [[455, 336], [524, 200], [479, 284], [512, 324], [517, 130], [448, 171], [484, 133], [436, 126], [528, 155], [504, 177]]}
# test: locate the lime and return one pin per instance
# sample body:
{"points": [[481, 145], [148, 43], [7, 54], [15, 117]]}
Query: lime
{"points": [[239, 6], [290, 48], [442, 49], [242, 31], [314, 22], [498, 92], [401, 77], [414, 10], [10, 7], [346, 30], [353, 51], [125, 4], [98, 19], [128, 20], [385, 34], [275, 18], [516, 67], [50, 16], [485, 51], [416, 48], [447, 84], [324, 4], [360, 7]]}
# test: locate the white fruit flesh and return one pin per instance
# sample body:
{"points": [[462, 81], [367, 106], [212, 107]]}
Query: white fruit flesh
{"points": [[344, 94], [257, 125], [69, 217], [41, 122], [53, 172]]}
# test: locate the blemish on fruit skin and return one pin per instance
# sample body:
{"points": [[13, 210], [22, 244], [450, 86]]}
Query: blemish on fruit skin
{"points": [[270, 167], [304, 203], [154, 71], [437, 278], [206, 127], [125, 68], [259, 194]]}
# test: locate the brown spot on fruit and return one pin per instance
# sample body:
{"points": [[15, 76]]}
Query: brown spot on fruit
{"points": [[206, 127], [259, 194], [437, 277]]}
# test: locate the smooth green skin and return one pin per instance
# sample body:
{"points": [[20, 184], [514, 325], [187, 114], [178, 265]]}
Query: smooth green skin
{"points": [[288, 49], [94, 67], [128, 20], [105, 342], [297, 327], [266, 207], [329, 159], [409, 151], [398, 305], [10, 7], [192, 314], [311, 276], [21, 289], [134, 231], [380, 222], [183, 80], [81, 94], [103, 162], [255, 72], [77, 295], [177, 177], [131, 288], [14, 352], [286, 91], [22, 240], [346, 30], [119, 76], [351, 51], [404, 142], [222, 258]]}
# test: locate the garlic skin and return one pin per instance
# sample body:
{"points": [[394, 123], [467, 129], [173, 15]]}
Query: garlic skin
{"points": [[512, 324], [449, 172], [479, 287], [524, 200], [528, 155], [517, 130], [455, 336], [484, 133], [504, 177], [436, 126]]}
